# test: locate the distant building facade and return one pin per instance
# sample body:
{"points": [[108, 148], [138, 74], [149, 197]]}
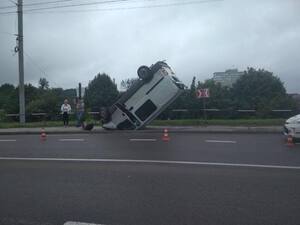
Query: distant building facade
{"points": [[227, 78]]}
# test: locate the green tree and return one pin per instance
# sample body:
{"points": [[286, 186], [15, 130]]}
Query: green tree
{"points": [[101, 91], [9, 98], [49, 101], [193, 87], [31, 93], [6, 90], [127, 83], [43, 83], [220, 96], [192, 99], [260, 90]]}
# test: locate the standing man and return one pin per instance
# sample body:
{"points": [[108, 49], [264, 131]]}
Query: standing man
{"points": [[80, 112], [65, 110]]}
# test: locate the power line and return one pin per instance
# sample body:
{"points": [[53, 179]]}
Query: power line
{"points": [[9, 7], [36, 3], [77, 5], [29, 11], [34, 63], [8, 13], [131, 8], [12, 2], [7, 33], [63, 6], [58, 6], [47, 3]]}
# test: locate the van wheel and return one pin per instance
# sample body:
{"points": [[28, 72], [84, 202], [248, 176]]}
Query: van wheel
{"points": [[145, 73]]}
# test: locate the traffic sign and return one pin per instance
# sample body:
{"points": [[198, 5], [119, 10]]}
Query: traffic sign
{"points": [[202, 93]]}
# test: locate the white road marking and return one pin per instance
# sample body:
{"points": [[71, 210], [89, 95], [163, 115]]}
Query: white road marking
{"points": [[80, 223], [220, 141], [68, 135], [7, 140], [72, 139], [142, 139], [154, 161]]}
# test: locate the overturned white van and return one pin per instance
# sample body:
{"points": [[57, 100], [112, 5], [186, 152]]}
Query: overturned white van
{"points": [[156, 88]]}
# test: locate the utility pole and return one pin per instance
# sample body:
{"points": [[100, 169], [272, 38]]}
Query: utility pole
{"points": [[79, 90], [21, 63]]}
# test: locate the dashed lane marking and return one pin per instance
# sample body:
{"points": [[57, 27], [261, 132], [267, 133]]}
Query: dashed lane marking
{"points": [[142, 139], [220, 141], [154, 162], [71, 139], [8, 140], [80, 223]]}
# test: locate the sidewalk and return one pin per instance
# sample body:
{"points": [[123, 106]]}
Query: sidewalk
{"points": [[149, 129]]}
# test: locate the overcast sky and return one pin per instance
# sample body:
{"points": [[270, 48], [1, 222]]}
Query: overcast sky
{"points": [[195, 40]]}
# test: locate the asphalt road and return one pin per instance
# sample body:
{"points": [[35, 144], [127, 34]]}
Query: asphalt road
{"points": [[228, 148], [246, 190]]}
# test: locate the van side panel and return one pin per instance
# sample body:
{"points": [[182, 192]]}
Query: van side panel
{"points": [[162, 96], [136, 98]]}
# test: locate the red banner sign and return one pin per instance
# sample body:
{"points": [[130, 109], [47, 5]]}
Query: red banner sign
{"points": [[202, 93]]}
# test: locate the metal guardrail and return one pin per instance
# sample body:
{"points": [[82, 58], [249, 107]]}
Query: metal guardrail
{"points": [[12, 114], [238, 110], [246, 110], [211, 110], [94, 113], [180, 110], [281, 110], [38, 114], [176, 113]]}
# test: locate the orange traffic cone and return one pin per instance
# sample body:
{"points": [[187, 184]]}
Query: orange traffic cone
{"points": [[43, 135], [165, 136], [290, 142]]}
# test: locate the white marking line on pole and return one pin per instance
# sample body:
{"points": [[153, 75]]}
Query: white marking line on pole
{"points": [[71, 139], [220, 141], [8, 140], [142, 139], [154, 162]]}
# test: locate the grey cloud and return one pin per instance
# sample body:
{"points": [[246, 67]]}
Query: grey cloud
{"points": [[196, 40]]}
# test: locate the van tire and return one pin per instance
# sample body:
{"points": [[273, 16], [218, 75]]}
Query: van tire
{"points": [[145, 73]]}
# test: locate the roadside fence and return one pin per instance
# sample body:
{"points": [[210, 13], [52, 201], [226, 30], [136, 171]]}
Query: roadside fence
{"points": [[172, 114]]}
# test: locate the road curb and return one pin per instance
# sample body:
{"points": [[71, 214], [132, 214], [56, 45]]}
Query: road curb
{"points": [[24, 131]]}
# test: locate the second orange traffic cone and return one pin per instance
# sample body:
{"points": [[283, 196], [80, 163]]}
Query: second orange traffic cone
{"points": [[43, 134], [290, 142], [165, 136]]}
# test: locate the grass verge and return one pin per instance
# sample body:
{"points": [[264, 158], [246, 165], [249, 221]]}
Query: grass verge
{"points": [[220, 122], [34, 124]]}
